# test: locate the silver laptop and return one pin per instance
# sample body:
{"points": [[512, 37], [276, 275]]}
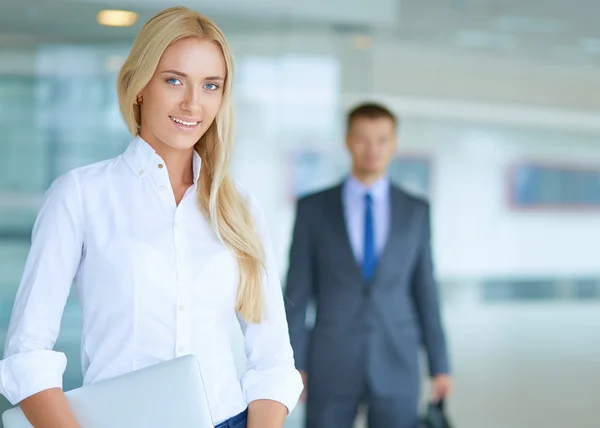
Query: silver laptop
{"points": [[169, 394]]}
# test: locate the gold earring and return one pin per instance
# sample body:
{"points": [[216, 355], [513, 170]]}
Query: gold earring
{"points": [[139, 99]]}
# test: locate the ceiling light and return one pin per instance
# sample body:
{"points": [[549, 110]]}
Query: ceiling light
{"points": [[362, 42], [116, 18]]}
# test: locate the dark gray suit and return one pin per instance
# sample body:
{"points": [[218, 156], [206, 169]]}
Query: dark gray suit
{"points": [[367, 336]]}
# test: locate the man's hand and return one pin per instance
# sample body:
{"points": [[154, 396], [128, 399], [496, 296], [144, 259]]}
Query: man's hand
{"points": [[304, 379], [441, 386]]}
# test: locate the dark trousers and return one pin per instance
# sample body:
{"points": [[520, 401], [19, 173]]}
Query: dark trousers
{"points": [[398, 411], [239, 421]]}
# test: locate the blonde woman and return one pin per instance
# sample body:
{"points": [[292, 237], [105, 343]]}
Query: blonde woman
{"points": [[165, 250]]}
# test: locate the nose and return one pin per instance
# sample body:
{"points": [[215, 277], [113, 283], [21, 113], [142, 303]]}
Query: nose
{"points": [[371, 148], [192, 100]]}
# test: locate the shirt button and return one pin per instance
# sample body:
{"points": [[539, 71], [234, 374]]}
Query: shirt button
{"points": [[181, 308], [141, 172], [160, 165], [181, 349]]}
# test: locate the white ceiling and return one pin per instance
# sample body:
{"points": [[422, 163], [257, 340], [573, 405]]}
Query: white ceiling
{"points": [[63, 19], [557, 31], [554, 30]]}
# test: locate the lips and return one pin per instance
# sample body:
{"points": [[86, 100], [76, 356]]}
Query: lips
{"points": [[186, 123]]}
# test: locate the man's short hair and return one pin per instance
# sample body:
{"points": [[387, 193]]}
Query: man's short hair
{"points": [[369, 111]]}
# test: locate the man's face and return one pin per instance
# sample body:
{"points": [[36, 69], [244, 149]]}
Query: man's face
{"points": [[372, 144]]}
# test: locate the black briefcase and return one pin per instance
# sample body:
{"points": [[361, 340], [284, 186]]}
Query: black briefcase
{"points": [[435, 416]]}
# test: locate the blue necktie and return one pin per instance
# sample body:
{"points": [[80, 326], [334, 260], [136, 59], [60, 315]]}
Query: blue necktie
{"points": [[369, 253]]}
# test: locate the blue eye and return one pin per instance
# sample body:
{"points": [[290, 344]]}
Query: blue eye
{"points": [[173, 81], [211, 86]]}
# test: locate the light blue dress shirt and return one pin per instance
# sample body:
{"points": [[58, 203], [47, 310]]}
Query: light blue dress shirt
{"points": [[353, 200]]}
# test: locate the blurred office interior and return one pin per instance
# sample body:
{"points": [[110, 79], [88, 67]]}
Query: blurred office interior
{"points": [[500, 130]]}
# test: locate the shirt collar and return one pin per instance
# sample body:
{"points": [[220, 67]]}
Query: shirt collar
{"points": [[196, 164], [379, 190], [142, 158]]}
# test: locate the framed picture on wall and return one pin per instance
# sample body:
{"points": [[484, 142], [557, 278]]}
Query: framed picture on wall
{"points": [[412, 173], [538, 185]]}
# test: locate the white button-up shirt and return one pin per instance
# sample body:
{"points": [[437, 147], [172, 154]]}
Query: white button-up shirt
{"points": [[154, 283]]}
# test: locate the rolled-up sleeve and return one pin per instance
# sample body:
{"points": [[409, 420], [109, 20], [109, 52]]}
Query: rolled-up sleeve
{"points": [[270, 371], [30, 365]]}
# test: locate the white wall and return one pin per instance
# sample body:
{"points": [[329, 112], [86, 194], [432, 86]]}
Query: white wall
{"points": [[474, 114], [476, 233]]}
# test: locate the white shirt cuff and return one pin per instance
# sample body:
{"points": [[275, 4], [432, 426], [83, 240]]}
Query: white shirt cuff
{"points": [[283, 386], [26, 374]]}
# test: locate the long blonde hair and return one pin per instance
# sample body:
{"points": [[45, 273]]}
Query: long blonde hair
{"points": [[218, 197]]}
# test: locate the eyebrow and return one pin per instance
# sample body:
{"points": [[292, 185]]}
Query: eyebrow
{"points": [[179, 73]]}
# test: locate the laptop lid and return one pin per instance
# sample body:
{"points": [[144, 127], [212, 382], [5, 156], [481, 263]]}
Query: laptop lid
{"points": [[168, 394]]}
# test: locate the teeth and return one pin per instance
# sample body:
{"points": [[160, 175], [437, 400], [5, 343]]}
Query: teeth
{"points": [[183, 122]]}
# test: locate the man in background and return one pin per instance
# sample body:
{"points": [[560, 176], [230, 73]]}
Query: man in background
{"points": [[361, 253]]}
